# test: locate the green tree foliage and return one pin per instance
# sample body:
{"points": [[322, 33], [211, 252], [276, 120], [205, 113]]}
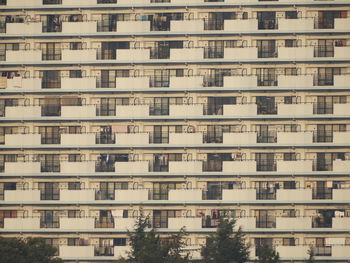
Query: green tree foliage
{"points": [[148, 247], [267, 254], [226, 245], [311, 254], [17, 250]]}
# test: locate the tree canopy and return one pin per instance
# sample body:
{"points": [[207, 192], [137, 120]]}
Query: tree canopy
{"points": [[19, 250], [226, 245], [149, 247]]}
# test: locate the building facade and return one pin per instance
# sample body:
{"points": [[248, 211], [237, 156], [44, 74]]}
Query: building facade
{"points": [[191, 110]]}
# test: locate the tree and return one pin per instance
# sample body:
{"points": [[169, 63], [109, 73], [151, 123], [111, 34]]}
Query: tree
{"points": [[266, 254], [19, 250], [226, 245], [311, 254], [148, 247]]}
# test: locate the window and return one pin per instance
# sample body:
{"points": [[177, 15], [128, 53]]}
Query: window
{"points": [[75, 157], [267, 20], [215, 105], [325, 104], [75, 74], [267, 48], [288, 241], [7, 46], [265, 218], [73, 214], [325, 48], [120, 242], [6, 187], [51, 51], [52, 2], [50, 163], [50, 134], [265, 161], [75, 45], [49, 191], [51, 23], [161, 161], [267, 76], [266, 105], [160, 105], [106, 1], [161, 190], [49, 219], [291, 14], [215, 21], [161, 21], [161, 133], [50, 79], [107, 190], [3, 2], [107, 79], [6, 214], [215, 49], [290, 43], [162, 49], [108, 49], [161, 77], [160, 217], [74, 186], [289, 157]]}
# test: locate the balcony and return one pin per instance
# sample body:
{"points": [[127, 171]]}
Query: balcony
{"points": [[241, 25], [186, 138], [295, 25], [131, 167], [187, 26], [238, 195], [185, 167], [293, 252], [341, 109], [133, 83], [122, 251], [23, 83], [247, 223], [86, 83], [246, 53], [191, 82], [341, 137], [341, 251], [78, 139], [340, 222], [240, 82], [295, 138], [133, 26], [125, 224], [341, 81], [19, 112], [241, 110], [239, 166], [20, 223], [341, 166], [341, 194], [132, 111], [81, 55], [297, 81], [132, 138], [76, 224], [186, 54], [24, 28], [342, 24], [303, 109], [296, 53], [299, 166], [22, 167], [133, 54], [24, 3], [22, 195], [294, 194], [20, 56], [22, 139], [87, 167], [83, 195], [84, 27], [76, 251], [185, 195], [186, 110], [342, 52], [131, 195], [190, 223], [240, 138], [85, 111]]}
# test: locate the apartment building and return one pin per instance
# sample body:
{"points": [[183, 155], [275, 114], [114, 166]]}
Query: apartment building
{"points": [[192, 110]]}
